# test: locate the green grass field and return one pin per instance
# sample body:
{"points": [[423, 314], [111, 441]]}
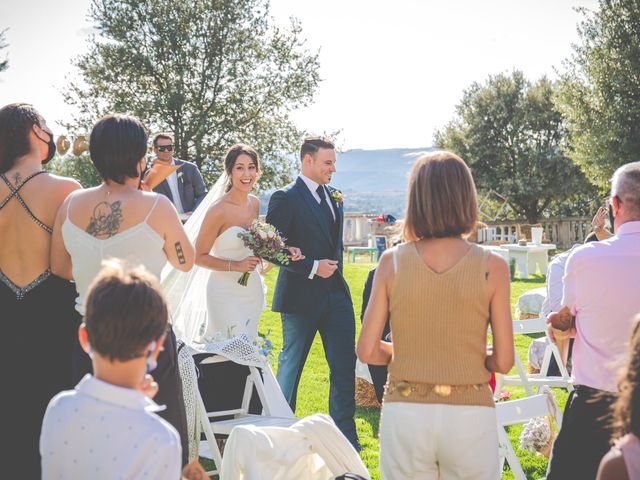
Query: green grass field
{"points": [[313, 392]]}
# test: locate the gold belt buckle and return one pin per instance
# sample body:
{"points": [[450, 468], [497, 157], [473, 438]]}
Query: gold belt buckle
{"points": [[442, 390], [404, 388]]}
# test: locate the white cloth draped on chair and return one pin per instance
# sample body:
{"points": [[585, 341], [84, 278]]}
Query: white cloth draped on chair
{"points": [[312, 448], [241, 350], [187, 369]]}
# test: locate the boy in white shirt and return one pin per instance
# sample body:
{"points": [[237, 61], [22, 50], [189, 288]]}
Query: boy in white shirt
{"points": [[106, 428]]}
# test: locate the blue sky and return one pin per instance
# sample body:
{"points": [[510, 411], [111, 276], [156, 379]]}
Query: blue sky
{"points": [[392, 71]]}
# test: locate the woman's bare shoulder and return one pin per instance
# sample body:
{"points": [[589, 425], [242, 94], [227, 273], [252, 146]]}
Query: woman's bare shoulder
{"points": [[64, 183], [496, 263], [612, 466], [218, 208]]}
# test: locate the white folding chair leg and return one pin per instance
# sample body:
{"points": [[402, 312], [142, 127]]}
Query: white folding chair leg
{"points": [[508, 453], [552, 349], [522, 374], [256, 379], [210, 436], [246, 396]]}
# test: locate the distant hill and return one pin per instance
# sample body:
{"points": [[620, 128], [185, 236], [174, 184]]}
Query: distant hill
{"points": [[373, 181], [375, 170]]}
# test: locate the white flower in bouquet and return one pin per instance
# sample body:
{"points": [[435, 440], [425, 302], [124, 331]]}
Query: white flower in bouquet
{"points": [[265, 242], [536, 435]]}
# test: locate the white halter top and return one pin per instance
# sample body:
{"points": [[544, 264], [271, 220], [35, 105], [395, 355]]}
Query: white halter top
{"points": [[138, 245]]}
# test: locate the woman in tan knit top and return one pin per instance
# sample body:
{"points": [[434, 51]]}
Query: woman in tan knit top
{"points": [[441, 293]]}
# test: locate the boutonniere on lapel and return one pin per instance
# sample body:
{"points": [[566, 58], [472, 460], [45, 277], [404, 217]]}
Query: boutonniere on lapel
{"points": [[337, 196], [180, 177]]}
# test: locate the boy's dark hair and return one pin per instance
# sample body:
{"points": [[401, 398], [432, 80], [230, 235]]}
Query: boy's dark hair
{"points": [[158, 136], [16, 120], [125, 311], [311, 145], [117, 143]]}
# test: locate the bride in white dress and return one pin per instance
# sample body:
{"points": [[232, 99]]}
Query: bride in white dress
{"points": [[209, 307], [232, 308]]}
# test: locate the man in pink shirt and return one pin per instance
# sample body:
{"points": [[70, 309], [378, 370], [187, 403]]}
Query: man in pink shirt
{"points": [[602, 292]]}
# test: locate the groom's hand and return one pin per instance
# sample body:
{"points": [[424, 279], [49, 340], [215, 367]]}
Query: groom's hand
{"points": [[326, 268]]}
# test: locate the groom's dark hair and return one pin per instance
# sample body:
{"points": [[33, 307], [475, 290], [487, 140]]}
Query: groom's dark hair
{"points": [[311, 145]]}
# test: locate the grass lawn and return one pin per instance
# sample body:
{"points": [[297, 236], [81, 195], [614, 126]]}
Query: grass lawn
{"points": [[313, 392]]}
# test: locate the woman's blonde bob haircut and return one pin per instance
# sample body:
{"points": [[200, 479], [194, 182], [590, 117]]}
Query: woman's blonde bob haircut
{"points": [[442, 198]]}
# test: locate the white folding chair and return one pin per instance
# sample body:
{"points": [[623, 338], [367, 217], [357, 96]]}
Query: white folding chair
{"points": [[521, 411], [531, 380], [241, 416]]}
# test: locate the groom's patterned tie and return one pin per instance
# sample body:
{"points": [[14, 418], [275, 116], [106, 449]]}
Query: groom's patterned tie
{"points": [[324, 206]]}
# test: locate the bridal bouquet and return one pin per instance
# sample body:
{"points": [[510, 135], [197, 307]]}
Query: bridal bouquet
{"points": [[265, 242], [537, 436]]}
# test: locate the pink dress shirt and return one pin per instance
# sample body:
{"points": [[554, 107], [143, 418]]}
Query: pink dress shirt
{"points": [[602, 289]]}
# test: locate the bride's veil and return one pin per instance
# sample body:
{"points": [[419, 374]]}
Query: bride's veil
{"points": [[186, 292]]}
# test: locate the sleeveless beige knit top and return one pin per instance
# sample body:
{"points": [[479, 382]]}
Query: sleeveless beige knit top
{"points": [[439, 324]]}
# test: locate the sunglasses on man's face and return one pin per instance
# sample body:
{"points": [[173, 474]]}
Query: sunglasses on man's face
{"points": [[165, 148]]}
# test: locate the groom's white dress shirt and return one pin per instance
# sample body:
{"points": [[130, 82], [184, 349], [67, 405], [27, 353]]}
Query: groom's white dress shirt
{"points": [[102, 431], [313, 186]]}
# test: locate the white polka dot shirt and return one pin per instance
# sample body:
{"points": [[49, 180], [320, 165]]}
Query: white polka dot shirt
{"points": [[102, 431]]}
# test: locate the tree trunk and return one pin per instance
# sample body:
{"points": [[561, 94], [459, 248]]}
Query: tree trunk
{"points": [[532, 213]]}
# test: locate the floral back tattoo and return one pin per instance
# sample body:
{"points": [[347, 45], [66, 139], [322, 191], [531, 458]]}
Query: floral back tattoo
{"points": [[105, 220]]}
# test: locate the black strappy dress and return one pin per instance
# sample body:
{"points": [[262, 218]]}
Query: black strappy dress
{"points": [[39, 324]]}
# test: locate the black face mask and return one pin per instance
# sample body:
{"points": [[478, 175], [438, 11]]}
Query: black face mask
{"points": [[52, 149]]}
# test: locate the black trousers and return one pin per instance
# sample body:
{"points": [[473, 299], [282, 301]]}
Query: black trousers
{"points": [[584, 437]]}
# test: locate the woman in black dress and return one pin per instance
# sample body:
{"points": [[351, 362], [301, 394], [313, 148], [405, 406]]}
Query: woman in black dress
{"points": [[36, 307]]}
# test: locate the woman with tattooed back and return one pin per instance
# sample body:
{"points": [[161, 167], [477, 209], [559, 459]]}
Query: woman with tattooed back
{"points": [[35, 306], [119, 220]]}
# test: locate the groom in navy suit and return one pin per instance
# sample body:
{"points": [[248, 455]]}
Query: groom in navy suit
{"points": [[312, 294]]}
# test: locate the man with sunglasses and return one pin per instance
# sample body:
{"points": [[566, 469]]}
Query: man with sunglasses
{"points": [[184, 187], [600, 300]]}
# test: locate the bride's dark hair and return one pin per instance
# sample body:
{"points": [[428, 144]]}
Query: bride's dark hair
{"points": [[232, 155]]}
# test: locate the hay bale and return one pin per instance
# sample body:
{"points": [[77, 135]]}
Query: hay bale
{"points": [[366, 394]]}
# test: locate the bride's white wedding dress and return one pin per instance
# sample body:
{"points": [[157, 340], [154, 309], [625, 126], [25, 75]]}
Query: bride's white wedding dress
{"points": [[212, 313], [233, 309]]}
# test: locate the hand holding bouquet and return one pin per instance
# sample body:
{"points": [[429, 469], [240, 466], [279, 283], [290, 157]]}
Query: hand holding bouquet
{"points": [[267, 243]]}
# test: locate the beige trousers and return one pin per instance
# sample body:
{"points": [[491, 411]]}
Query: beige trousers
{"points": [[434, 441]]}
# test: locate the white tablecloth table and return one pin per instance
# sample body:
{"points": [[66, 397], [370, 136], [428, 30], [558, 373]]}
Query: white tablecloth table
{"points": [[529, 256]]}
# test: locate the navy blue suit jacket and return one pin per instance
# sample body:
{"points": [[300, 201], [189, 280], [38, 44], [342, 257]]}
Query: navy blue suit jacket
{"points": [[297, 215]]}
